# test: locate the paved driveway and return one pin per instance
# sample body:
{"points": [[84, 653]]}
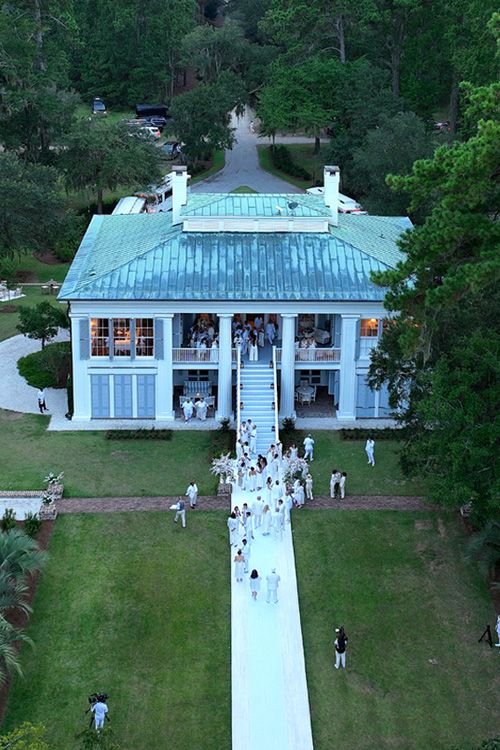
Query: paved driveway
{"points": [[242, 164]]}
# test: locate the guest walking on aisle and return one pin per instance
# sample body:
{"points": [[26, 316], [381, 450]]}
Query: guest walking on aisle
{"points": [[253, 348], [266, 521], [273, 581], [192, 493], [180, 512], [309, 487], [257, 509], [254, 584], [245, 551], [370, 451], [187, 409], [239, 564], [232, 525], [343, 477], [277, 527], [308, 448]]}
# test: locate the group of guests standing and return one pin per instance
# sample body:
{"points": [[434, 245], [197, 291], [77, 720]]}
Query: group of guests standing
{"points": [[253, 335]]}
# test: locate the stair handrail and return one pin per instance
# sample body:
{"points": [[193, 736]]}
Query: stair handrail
{"points": [[276, 420], [238, 392]]}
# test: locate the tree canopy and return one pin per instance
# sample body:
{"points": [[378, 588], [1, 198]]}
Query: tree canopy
{"points": [[441, 357]]}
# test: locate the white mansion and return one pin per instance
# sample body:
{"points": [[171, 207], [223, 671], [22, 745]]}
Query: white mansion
{"points": [[156, 301]]}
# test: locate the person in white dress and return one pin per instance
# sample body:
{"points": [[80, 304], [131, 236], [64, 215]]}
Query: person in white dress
{"points": [[244, 341], [270, 332], [298, 496], [277, 493], [232, 525], [269, 491], [245, 551], [343, 477], [188, 409], [239, 449], [253, 348], [201, 407], [214, 352], [309, 448], [257, 508], [294, 452], [252, 479], [288, 507], [266, 521], [239, 566], [255, 581], [309, 487], [370, 451], [253, 439], [334, 483], [261, 340], [192, 493], [277, 528]]}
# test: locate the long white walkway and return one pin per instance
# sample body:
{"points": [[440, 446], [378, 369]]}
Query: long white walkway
{"points": [[270, 705]]}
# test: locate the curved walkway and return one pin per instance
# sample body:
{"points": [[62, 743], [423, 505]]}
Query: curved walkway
{"points": [[15, 393], [242, 164]]}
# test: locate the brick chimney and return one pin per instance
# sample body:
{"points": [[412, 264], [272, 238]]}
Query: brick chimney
{"points": [[331, 177], [179, 191]]}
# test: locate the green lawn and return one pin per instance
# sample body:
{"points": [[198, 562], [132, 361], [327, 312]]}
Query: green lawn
{"points": [[33, 295], [302, 154], [399, 585], [218, 161], [244, 189], [135, 606], [96, 467], [330, 452]]}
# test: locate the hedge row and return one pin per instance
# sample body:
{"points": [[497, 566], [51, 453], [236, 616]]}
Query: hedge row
{"points": [[142, 433], [281, 159], [361, 433]]}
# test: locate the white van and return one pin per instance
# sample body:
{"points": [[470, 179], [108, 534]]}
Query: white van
{"points": [[346, 205]]}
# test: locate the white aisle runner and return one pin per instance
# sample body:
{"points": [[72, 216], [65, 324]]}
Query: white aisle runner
{"points": [[270, 704]]}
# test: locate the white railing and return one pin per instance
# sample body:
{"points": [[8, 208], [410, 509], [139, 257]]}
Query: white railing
{"points": [[313, 355], [238, 392], [234, 355], [206, 356], [275, 383]]}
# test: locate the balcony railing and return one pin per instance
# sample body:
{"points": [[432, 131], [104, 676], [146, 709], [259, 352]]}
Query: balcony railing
{"points": [[313, 355], [201, 356]]}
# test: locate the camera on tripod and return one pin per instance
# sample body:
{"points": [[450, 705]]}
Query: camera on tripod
{"points": [[96, 698]]}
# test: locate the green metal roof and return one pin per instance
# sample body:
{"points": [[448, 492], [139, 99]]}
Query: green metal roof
{"points": [[254, 205], [374, 235]]}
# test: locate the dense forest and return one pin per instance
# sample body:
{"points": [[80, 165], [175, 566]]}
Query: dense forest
{"points": [[374, 76]]}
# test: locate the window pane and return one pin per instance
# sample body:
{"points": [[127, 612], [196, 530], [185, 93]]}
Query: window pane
{"points": [[99, 337], [144, 337], [369, 327], [121, 337]]}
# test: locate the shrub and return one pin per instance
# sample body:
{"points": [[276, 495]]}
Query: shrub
{"points": [[288, 426], [143, 433], [8, 520], [32, 524], [67, 245], [362, 433], [47, 368], [281, 158]]}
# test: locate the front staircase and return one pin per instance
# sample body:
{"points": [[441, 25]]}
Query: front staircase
{"points": [[257, 401]]}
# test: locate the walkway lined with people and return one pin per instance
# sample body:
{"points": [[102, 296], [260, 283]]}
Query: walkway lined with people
{"points": [[270, 704]]}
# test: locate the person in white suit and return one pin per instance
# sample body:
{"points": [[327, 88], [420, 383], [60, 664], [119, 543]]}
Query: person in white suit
{"points": [[192, 494], [273, 581]]}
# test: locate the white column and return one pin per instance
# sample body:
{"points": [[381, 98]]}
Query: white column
{"points": [[165, 374], [287, 391], [80, 376], [224, 384], [347, 394]]}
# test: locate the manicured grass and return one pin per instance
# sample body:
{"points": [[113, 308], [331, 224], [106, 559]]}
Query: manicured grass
{"points": [[218, 161], [399, 585], [33, 295], [136, 606], [43, 271], [96, 467], [302, 153], [244, 189], [330, 452]]}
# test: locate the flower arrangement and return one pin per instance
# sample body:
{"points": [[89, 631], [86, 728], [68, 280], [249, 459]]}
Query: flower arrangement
{"points": [[52, 478], [47, 498], [293, 469], [224, 468]]}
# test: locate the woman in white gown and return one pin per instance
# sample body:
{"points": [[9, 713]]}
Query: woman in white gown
{"points": [[232, 525], [239, 566], [269, 491], [253, 348], [266, 521]]}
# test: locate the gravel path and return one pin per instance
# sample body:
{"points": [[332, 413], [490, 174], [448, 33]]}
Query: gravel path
{"points": [[15, 393], [122, 504]]}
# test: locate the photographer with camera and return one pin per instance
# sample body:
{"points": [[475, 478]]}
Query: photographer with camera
{"points": [[340, 645], [99, 708]]}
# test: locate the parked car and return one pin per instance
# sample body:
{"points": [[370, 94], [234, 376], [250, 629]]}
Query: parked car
{"points": [[172, 149], [157, 122], [98, 106], [442, 126], [346, 205], [150, 130]]}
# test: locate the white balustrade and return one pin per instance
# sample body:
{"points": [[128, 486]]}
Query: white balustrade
{"points": [[207, 356], [313, 355]]}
